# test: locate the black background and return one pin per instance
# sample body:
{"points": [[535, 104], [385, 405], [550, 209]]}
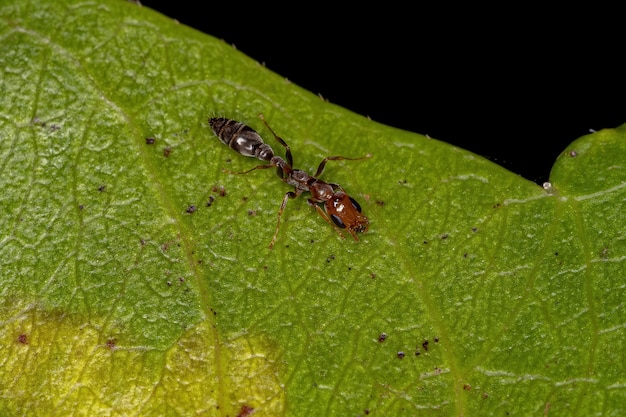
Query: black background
{"points": [[516, 86]]}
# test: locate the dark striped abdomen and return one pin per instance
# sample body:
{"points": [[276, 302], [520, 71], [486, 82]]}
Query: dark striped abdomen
{"points": [[241, 138]]}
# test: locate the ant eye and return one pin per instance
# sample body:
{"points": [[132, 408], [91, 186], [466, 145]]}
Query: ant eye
{"points": [[337, 221], [355, 204]]}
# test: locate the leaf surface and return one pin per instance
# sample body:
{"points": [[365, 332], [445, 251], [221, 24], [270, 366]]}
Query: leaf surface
{"points": [[136, 278]]}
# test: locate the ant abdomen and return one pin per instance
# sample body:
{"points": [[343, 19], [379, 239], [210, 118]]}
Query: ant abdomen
{"points": [[241, 138]]}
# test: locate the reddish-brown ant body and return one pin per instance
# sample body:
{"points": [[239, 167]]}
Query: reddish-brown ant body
{"points": [[340, 210]]}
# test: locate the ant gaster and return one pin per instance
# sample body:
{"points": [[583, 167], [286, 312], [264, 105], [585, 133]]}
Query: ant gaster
{"points": [[340, 210]]}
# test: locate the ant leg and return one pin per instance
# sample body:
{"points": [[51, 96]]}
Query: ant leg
{"points": [[280, 140], [320, 168], [288, 195], [250, 170], [325, 217]]}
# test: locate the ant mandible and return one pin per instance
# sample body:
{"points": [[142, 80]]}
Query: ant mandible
{"points": [[340, 210]]}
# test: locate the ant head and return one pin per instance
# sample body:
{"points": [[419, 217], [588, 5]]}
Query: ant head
{"points": [[345, 212]]}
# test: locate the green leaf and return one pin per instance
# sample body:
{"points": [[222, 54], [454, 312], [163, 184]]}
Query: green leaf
{"points": [[475, 292]]}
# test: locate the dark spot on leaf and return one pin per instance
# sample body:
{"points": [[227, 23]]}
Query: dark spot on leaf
{"points": [[191, 209], [497, 205], [251, 212], [382, 337], [245, 411], [81, 207], [425, 345], [181, 279], [465, 255], [436, 339], [573, 153], [425, 242], [380, 203], [22, 339], [150, 141], [417, 352], [402, 182], [437, 371], [444, 236], [111, 343], [220, 190], [169, 283], [400, 355], [142, 242], [167, 151], [330, 258], [102, 188], [556, 254], [474, 229], [373, 275], [467, 387], [604, 253], [485, 395], [211, 200]]}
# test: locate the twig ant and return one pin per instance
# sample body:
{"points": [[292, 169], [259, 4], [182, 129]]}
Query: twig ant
{"points": [[340, 210]]}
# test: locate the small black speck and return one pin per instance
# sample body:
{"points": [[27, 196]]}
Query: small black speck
{"points": [[167, 151], [102, 188], [220, 190], [211, 200], [382, 337], [191, 209], [401, 355], [150, 141]]}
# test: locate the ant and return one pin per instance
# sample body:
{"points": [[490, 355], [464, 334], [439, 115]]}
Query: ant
{"points": [[340, 210]]}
